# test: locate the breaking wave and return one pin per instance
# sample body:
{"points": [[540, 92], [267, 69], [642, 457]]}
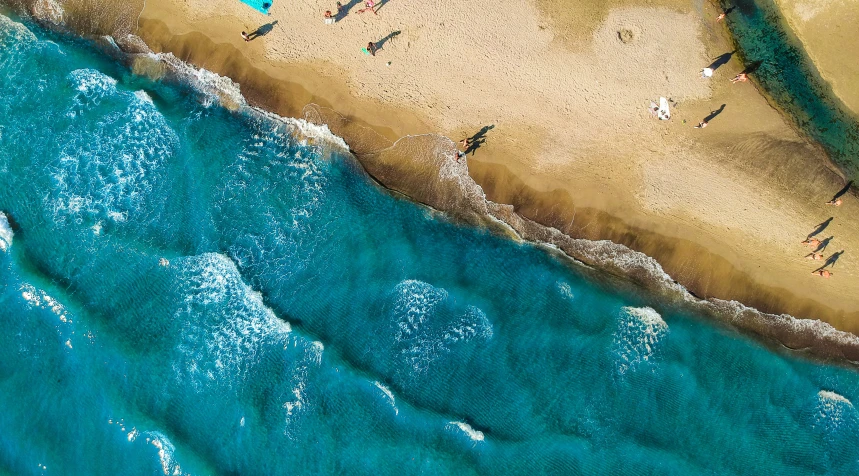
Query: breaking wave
{"points": [[426, 327], [638, 336], [465, 428], [5, 233]]}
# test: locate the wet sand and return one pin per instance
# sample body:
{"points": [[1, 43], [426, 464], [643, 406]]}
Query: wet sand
{"points": [[827, 30], [722, 209]]}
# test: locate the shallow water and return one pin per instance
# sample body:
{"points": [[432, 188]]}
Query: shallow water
{"points": [[191, 290], [780, 65]]}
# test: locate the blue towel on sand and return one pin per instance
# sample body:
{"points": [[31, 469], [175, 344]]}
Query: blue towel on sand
{"points": [[258, 5]]}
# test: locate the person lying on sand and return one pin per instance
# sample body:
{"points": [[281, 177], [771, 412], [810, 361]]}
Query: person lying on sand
{"points": [[823, 273], [814, 256], [370, 5], [836, 202], [812, 242], [740, 78]]}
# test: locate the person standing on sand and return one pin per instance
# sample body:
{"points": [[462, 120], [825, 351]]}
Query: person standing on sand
{"points": [[465, 143], [329, 20], [245, 36], [740, 78], [371, 48], [814, 256], [836, 202], [701, 125], [823, 273], [812, 242]]}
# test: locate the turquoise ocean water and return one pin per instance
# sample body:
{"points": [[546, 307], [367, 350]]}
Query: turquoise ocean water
{"points": [[189, 290]]}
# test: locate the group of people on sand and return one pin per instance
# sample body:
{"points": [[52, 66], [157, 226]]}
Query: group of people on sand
{"points": [[707, 73], [369, 6], [330, 18], [817, 245]]}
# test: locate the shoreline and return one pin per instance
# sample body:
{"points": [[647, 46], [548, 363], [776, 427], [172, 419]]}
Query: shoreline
{"points": [[703, 270], [608, 260]]}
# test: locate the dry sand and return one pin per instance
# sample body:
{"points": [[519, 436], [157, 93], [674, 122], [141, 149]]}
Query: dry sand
{"points": [[723, 209]]}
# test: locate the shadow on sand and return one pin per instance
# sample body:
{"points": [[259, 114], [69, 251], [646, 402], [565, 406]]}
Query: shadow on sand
{"points": [[478, 139], [262, 31]]}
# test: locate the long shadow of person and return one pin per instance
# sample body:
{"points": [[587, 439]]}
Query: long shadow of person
{"points": [[752, 67], [344, 9], [715, 113], [721, 60], [475, 141], [823, 244], [390, 36], [830, 262], [262, 31], [381, 4], [842, 191], [820, 227]]}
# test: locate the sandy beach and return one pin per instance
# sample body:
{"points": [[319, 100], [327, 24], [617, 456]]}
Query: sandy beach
{"points": [[571, 143]]}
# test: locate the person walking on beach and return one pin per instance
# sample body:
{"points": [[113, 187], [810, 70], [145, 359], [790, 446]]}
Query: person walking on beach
{"points": [[245, 36], [823, 273], [329, 19], [836, 202], [740, 78], [811, 242], [701, 125], [371, 48], [465, 143], [814, 256]]}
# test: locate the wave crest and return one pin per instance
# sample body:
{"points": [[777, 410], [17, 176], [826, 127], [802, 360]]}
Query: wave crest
{"points": [[5, 233], [639, 334]]}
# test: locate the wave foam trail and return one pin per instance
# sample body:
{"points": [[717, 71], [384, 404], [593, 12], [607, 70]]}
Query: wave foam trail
{"points": [[12, 32], [474, 435], [39, 299], [230, 338], [166, 452], [640, 330], [223, 347], [110, 174], [388, 393], [5, 233], [565, 290], [211, 85], [426, 327]]}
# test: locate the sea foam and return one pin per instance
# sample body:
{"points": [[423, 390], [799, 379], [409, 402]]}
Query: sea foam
{"points": [[640, 331], [834, 414], [427, 327], [474, 435], [388, 393], [5, 232]]}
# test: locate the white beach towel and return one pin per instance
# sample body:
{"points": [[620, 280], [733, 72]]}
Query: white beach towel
{"points": [[663, 114]]}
